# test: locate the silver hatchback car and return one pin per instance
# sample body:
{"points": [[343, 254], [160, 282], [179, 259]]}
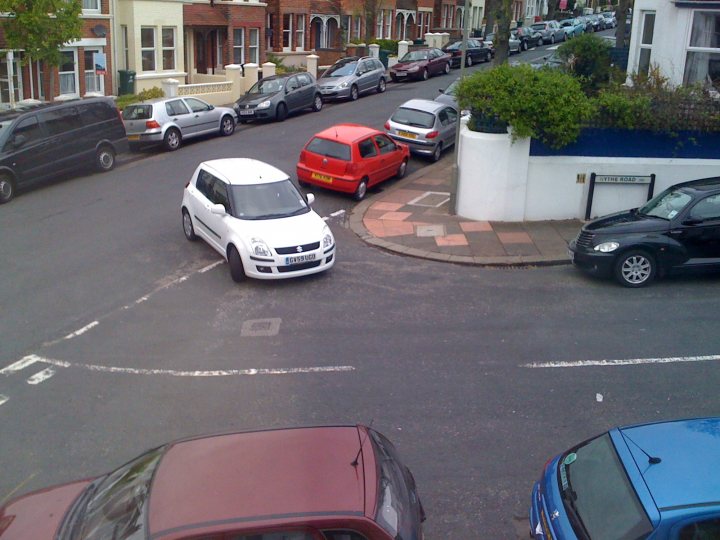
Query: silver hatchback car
{"points": [[349, 77], [168, 121], [427, 127]]}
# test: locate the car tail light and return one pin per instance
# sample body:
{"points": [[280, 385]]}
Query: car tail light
{"points": [[303, 154], [151, 124], [387, 125], [432, 134]]}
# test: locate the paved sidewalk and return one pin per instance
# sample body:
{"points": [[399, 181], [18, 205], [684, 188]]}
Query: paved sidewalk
{"points": [[411, 216]]}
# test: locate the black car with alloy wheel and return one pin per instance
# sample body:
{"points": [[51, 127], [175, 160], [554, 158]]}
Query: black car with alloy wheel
{"points": [[677, 230]]}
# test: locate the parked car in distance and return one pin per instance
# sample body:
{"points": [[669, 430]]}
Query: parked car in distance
{"points": [[598, 22], [551, 31], [675, 231], [168, 121], [351, 158], [476, 51], [584, 19], [350, 77], [43, 140], [254, 216], [329, 482], [528, 37], [427, 127], [513, 43], [610, 20], [572, 27], [421, 64], [447, 95], [274, 98], [656, 481]]}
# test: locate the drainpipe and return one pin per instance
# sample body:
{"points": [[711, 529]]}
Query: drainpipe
{"points": [[113, 45]]}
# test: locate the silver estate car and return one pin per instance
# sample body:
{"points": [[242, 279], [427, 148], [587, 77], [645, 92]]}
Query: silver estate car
{"points": [[273, 98], [427, 127], [168, 121], [349, 77]]}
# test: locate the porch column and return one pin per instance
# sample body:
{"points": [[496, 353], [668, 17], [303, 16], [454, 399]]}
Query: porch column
{"points": [[268, 69], [251, 75], [11, 82], [403, 48], [312, 64], [374, 50], [233, 73]]}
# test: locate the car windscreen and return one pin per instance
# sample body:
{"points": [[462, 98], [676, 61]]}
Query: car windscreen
{"points": [[666, 205], [266, 86], [137, 112], [599, 499], [413, 117], [538, 27], [267, 201], [567, 22], [328, 148], [341, 70], [414, 56], [116, 505], [455, 46]]}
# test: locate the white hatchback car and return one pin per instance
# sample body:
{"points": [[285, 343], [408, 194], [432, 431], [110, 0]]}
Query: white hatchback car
{"points": [[254, 216]]}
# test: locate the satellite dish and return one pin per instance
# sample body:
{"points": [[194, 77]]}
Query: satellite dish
{"points": [[99, 30]]}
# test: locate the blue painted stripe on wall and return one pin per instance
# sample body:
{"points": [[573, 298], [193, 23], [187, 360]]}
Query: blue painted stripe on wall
{"points": [[595, 142]]}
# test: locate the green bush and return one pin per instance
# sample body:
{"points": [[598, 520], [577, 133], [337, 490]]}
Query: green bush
{"points": [[545, 104], [623, 110], [387, 44], [280, 67], [149, 93], [587, 57]]}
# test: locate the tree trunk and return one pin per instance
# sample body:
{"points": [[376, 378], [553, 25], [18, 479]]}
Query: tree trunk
{"points": [[490, 7], [502, 37], [621, 15], [50, 93], [552, 7]]}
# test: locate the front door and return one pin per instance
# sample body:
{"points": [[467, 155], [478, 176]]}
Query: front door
{"points": [[10, 80], [200, 60], [204, 118], [700, 231]]}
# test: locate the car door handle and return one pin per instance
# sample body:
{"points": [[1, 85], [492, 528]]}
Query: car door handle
{"points": [[675, 232]]}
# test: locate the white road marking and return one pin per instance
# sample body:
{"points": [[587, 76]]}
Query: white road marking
{"points": [[3, 399], [82, 330], [18, 487], [338, 213], [211, 266], [627, 362], [41, 376], [20, 364]]}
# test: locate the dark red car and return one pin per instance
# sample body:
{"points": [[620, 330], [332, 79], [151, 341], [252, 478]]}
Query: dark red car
{"points": [[421, 64], [351, 158], [318, 483]]}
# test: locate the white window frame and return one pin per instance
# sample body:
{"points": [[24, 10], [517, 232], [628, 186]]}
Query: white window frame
{"points": [[300, 32], [125, 45], [357, 27], [90, 73], [254, 50], [75, 74], [95, 9], [287, 36], [645, 46], [218, 50], [146, 49], [380, 24], [238, 47], [388, 24], [163, 48], [699, 49]]}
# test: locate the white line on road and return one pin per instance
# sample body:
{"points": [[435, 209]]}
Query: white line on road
{"points": [[3, 399], [21, 364], [211, 266], [82, 330], [41, 376], [627, 362], [338, 213]]}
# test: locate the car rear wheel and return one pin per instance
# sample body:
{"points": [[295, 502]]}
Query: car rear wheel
{"points": [[488, 57], [353, 93], [425, 75], [468, 60], [281, 112], [447, 68], [361, 190], [105, 158], [317, 103], [237, 272], [635, 268], [523, 46], [402, 169], [381, 85], [172, 140], [227, 125], [552, 39], [188, 228], [7, 188], [437, 152]]}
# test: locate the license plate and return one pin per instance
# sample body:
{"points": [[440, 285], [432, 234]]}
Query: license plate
{"points": [[321, 177], [248, 112], [407, 134], [401, 74], [133, 137], [300, 258]]}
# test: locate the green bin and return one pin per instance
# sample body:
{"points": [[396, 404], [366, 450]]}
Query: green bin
{"points": [[384, 57], [127, 82]]}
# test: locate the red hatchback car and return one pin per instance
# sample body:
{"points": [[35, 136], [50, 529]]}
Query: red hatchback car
{"points": [[317, 483], [351, 158]]}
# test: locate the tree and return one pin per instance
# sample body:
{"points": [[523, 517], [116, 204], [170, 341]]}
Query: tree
{"points": [[503, 14], [40, 28], [620, 31]]}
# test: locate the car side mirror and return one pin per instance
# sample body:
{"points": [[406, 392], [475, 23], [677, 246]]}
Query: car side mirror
{"points": [[310, 198], [211, 107], [218, 209]]}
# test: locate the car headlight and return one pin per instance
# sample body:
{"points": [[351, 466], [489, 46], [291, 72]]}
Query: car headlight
{"points": [[607, 247], [259, 248], [328, 239], [264, 105], [413, 69], [343, 84]]}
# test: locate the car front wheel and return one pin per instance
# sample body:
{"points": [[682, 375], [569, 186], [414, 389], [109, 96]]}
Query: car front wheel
{"points": [[237, 272], [353, 93], [281, 112], [7, 188], [468, 60], [437, 152], [552, 39], [635, 268]]}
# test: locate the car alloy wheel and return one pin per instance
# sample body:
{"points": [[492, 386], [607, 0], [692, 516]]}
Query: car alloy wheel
{"points": [[105, 158], [552, 39], [447, 68], [172, 139], [635, 268], [188, 228], [402, 169], [317, 103], [381, 85], [227, 125], [437, 152], [7, 188], [425, 75], [361, 190], [353, 93], [523, 46], [468, 60]]}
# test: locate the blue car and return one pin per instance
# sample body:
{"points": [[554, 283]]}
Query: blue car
{"points": [[651, 481]]}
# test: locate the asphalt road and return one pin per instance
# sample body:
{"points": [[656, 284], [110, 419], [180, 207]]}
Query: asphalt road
{"points": [[143, 337]]}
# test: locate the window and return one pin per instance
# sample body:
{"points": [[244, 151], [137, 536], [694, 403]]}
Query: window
{"points": [[92, 113], [385, 145], [29, 129], [287, 31], [343, 535], [357, 21], [176, 107], [239, 46], [61, 120], [304, 79], [367, 148], [147, 48], [168, 47], [388, 23], [703, 57], [300, 33], [447, 116], [204, 182], [219, 194], [93, 82], [91, 5], [196, 105], [379, 24], [331, 149], [68, 65], [254, 48], [707, 209], [446, 15], [709, 528], [125, 48], [648, 28], [293, 84]]}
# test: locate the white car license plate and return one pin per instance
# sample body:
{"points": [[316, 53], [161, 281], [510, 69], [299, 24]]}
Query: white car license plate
{"points": [[401, 74], [300, 258], [244, 112]]}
